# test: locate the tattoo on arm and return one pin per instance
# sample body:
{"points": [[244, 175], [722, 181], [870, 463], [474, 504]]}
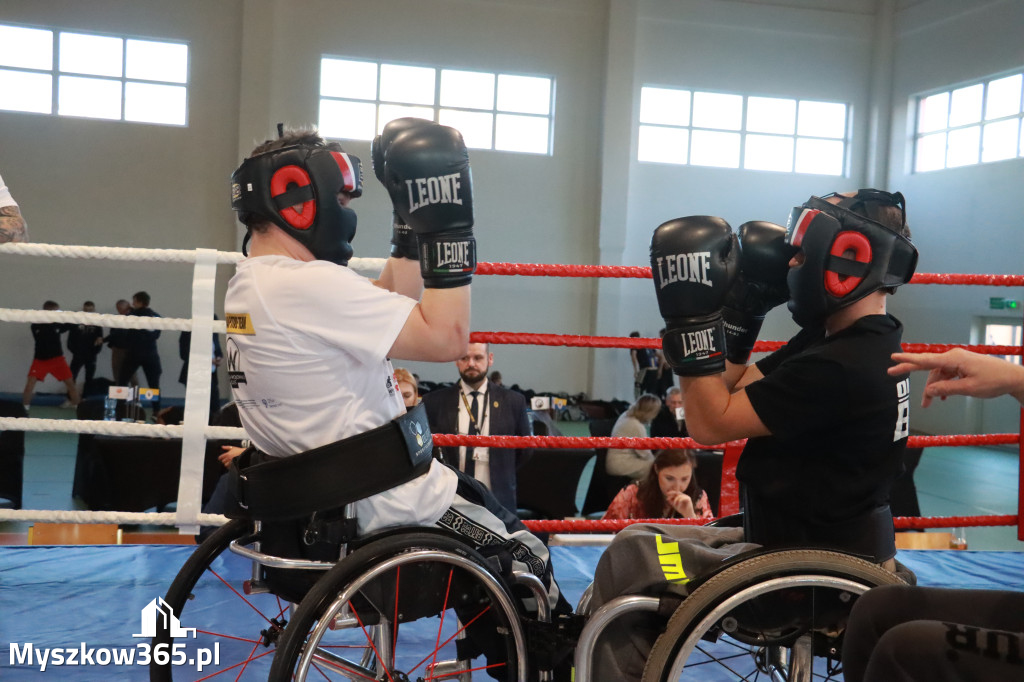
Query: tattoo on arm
{"points": [[12, 225]]}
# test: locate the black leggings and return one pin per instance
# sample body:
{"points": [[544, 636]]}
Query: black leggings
{"points": [[899, 633]]}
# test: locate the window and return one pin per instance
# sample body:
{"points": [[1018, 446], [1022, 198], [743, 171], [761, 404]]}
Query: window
{"points": [[93, 76], [492, 111], [978, 123], [1001, 334], [737, 131]]}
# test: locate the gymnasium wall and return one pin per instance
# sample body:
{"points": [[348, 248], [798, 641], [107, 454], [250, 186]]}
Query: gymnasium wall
{"points": [[256, 62]]}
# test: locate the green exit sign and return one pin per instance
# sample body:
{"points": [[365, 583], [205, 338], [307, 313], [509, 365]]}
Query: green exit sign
{"points": [[996, 303]]}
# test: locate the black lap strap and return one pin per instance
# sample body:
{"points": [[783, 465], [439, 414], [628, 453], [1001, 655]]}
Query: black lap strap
{"points": [[332, 475]]}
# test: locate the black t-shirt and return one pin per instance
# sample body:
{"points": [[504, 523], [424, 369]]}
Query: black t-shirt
{"points": [[839, 426], [47, 338]]}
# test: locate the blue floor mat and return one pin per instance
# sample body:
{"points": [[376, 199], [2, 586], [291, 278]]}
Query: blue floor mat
{"points": [[92, 597]]}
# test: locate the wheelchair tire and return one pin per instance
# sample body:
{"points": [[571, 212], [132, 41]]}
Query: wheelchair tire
{"points": [[784, 610], [239, 629], [392, 610]]}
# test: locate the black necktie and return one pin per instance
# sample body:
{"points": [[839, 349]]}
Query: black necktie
{"points": [[474, 429]]}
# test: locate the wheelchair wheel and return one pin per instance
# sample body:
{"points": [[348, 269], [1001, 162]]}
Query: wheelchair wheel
{"points": [[412, 606], [235, 633], [775, 616]]}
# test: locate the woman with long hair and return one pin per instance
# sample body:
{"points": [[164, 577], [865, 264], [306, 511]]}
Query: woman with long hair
{"points": [[633, 424], [669, 490]]}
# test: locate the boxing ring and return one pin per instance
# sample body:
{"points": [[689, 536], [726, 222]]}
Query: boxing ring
{"points": [[27, 574]]}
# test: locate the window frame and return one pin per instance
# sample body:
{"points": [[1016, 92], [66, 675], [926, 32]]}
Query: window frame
{"points": [[437, 108], [743, 132], [916, 137], [55, 74]]}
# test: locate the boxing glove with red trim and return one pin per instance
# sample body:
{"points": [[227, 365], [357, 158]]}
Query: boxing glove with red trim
{"points": [[759, 287], [694, 261], [426, 172]]}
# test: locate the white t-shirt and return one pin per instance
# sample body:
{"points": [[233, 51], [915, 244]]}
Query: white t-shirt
{"points": [[307, 360], [5, 195]]}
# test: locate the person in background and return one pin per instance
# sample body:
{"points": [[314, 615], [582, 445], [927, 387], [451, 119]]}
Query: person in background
{"points": [[117, 340], [669, 491], [141, 351], [475, 406], [408, 387], [926, 634], [48, 358], [496, 378], [12, 224], [85, 341], [645, 368], [669, 423], [633, 423]]}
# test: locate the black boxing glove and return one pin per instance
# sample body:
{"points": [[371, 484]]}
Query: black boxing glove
{"points": [[427, 174], [694, 261], [403, 240], [760, 286]]}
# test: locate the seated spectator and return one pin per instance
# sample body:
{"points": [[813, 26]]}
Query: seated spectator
{"points": [[669, 491], [408, 387], [633, 424], [669, 422]]}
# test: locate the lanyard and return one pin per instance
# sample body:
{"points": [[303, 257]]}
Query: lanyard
{"points": [[472, 417]]}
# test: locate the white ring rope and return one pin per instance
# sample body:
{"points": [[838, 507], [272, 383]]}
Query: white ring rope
{"points": [[104, 320], [194, 430], [361, 265], [149, 518], [104, 428]]}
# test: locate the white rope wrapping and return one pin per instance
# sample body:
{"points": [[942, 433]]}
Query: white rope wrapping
{"points": [[104, 320], [361, 265], [114, 253], [149, 518], [104, 428], [197, 392]]}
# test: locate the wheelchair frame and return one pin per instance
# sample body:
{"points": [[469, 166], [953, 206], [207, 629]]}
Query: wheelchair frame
{"points": [[698, 617]]}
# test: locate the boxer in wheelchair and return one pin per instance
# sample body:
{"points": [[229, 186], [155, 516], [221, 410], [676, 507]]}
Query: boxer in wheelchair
{"points": [[308, 349]]}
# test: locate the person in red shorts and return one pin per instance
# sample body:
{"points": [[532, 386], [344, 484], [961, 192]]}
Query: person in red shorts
{"points": [[49, 359]]}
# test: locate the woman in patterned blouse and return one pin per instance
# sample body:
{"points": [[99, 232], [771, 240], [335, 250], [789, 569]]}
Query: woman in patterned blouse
{"points": [[668, 491]]}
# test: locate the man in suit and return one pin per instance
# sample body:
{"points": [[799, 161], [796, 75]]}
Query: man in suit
{"points": [[473, 406]]}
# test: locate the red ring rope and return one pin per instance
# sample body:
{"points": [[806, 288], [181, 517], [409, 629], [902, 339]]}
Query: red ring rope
{"points": [[615, 525], [643, 272], [732, 450], [580, 341], [584, 442]]}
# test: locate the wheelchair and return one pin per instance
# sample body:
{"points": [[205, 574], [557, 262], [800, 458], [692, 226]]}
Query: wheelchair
{"points": [[416, 603], [317, 602]]}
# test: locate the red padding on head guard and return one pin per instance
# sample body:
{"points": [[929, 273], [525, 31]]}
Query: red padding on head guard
{"points": [[348, 172], [861, 247], [279, 182], [806, 218]]}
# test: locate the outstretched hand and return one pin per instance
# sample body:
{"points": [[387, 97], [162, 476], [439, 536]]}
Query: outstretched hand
{"points": [[962, 372]]}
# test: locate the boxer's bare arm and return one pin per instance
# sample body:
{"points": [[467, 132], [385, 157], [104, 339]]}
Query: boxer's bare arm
{"points": [[12, 225]]}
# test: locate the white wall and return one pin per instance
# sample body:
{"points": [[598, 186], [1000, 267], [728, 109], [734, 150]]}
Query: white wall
{"points": [[108, 183], [965, 220], [256, 62]]}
